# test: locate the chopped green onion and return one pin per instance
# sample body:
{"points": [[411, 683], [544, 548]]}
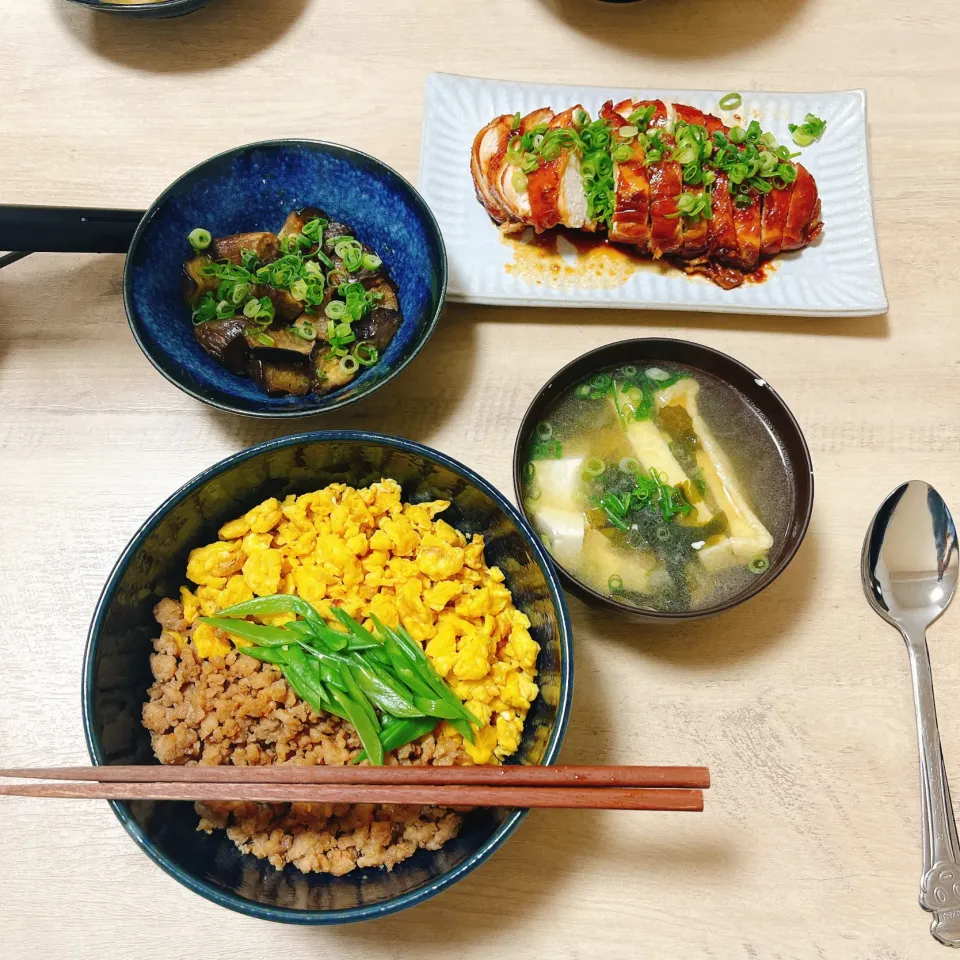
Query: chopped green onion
{"points": [[731, 101], [369, 355], [267, 341], [657, 373], [199, 239], [583, 391], [349, 364], [758, 565], [629, 465], [515, 122], [593, 466], [809, 131], [298, 290], [544, 430], [225, 310], [305, 329], [370, 261], [626, 133], [615, 584], [533, 493], [621, 153], [737, 134], [335, 309]]}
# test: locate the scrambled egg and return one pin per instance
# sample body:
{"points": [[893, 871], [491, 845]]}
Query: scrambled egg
{"points": [[368, 553]]}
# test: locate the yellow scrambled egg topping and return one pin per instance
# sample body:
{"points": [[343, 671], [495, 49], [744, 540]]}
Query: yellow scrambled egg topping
{"points": [[367, 552]]}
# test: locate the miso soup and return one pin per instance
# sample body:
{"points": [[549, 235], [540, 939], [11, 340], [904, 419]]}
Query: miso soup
{"points": [[660, 487]]}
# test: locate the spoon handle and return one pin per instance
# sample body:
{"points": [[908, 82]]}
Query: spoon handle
{"points": [[940, 884]]}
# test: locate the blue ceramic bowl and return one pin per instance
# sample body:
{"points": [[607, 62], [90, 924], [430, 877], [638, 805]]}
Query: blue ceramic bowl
{"points": [[153, 11], [117, 671], [254, 187]]}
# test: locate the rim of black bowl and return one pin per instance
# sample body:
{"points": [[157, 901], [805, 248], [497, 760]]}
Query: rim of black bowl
{"points": [[801, 463], [138, 7], [336, 404], [497, 838]]}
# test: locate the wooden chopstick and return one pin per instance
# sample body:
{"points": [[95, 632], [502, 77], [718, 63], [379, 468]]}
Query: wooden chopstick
{"points": [[697, 778], [595, 798]]}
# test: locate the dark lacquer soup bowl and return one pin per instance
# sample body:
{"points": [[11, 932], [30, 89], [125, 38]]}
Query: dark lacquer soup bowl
{"points": [[788, 465], [158, 10], [117, 671], [253, 188]]}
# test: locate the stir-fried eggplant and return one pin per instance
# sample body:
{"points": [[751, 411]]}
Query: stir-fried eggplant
{"points": [[281, 377], [195, 283], [266, 247], [305, 309], [224, 340]]}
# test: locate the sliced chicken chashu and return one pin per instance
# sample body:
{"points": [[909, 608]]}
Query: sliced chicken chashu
{"points": [[695, 231], [555, 188], [490, 142], [803, 220], [502, 177], [773, 220], [666, 185], [747, 537], [630, 222]]}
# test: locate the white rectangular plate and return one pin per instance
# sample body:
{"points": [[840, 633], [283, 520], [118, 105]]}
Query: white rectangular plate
{"points": [[838, 276]]}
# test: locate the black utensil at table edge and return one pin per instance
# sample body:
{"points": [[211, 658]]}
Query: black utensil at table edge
{"points": [[40, 229]]}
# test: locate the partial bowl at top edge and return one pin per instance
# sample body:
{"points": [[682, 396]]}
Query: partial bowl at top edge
{"points": [[117, 671], [253, 187], [157, 10], [774, 415]]}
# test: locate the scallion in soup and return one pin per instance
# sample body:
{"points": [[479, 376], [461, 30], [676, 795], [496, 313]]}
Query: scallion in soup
{"points": [[659, 487]]}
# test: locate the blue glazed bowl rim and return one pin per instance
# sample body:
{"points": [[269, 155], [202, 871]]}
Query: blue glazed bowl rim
{"points": [[322, 407], [414, 897]]}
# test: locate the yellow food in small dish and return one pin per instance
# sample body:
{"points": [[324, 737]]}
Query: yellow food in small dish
{"points": [[369, 566]]}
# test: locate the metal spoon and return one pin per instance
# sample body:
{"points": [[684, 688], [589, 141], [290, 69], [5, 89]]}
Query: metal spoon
{"points": [[909, 568]]}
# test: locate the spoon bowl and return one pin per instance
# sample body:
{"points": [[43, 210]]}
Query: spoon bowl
{"points": [[910, 564]]}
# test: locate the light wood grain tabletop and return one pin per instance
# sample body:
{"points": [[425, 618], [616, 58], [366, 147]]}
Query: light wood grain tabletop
{"points": [[799, 701]]}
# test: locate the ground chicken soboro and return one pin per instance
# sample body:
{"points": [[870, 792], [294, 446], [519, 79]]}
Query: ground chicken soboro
{"points": [[368, 553]]}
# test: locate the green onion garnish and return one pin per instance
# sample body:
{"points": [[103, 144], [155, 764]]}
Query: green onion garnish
{"points": [[583, 391], [758, 565], [544, 430], [593, 467], [615, 584], [366, 353], [349, 364], [199, 239], [731, 101], [265, 340], [335, 309], [370, 261], [807, 132]]}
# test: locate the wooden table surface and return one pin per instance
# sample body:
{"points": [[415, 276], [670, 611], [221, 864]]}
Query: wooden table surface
{"points": [[800, 701]]}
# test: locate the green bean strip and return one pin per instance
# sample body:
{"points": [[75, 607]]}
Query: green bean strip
{"points": [[413, 652], [383, 695], [266, 654], [436, 708], [356, 694], [368, 733], [258, 633], [305, 685], [276, 603], [401, 733]]}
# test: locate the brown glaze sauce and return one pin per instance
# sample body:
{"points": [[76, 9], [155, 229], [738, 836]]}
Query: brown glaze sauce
{"points": [[573, 258]]}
